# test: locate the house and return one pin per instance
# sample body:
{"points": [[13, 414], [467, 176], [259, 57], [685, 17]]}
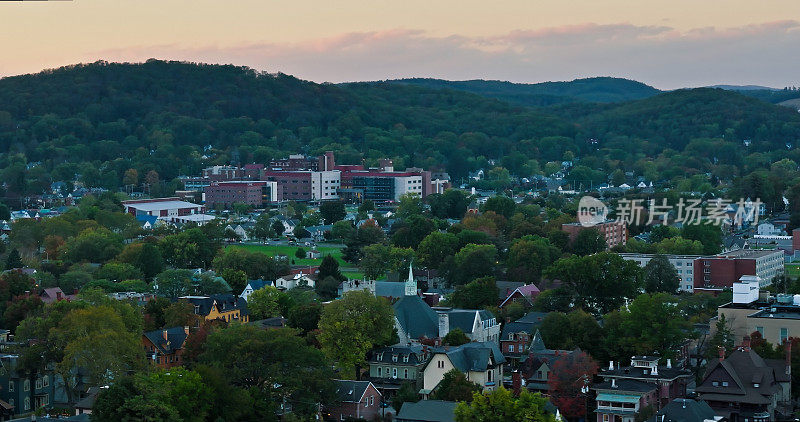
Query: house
{"points": [[54, 294], [148, 222], [481, 362], [623, 400], [288, 224], [357, 400], [686, 410], [22, 394], [391, 366], [517, 337], [239, 231], [427, 411], [670, 382], [224, 307], [85, 405], [318, 232], [526, 293], [478, 325], [296, 280], [252, 286], [535, 366], [165, 347], [744, 386]]}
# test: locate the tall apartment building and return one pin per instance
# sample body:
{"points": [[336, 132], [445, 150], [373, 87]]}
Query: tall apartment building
{"points": [[304, 185], [684, 266]]}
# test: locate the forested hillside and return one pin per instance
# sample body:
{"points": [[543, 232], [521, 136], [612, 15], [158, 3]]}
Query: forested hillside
{"points": [[600, 90], [93, 123]]}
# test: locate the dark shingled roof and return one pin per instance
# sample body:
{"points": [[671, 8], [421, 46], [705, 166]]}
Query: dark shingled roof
{"points": [[224, 303], [626, 385], [427, 411], [176, 336], [472, 356], [416, 318], [384, 355], [745, 368], [350, 391], [684, 410]]}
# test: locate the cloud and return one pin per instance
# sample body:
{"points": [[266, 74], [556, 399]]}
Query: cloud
{"points": [[762, 54]]}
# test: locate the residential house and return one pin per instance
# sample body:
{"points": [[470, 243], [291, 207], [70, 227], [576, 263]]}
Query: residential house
{"points": [[746, 387], [623, 400], [478, 325], [427, 411], [54, 294], [292, 281], [537, 363], [516, 337], [149, 222], [252, 286], [481, 362], [85, 405], [357, 400], [224, 307], [670, 382], [20, 393], [392, 366], [526, 293], [164, 348], [686, 410]]}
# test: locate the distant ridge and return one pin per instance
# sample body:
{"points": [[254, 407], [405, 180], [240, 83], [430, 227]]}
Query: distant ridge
{"points": [[745, 87], [587, 90]]}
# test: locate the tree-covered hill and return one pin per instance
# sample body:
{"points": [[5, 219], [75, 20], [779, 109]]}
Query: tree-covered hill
{"points": [[600, 90], [109, 124]]}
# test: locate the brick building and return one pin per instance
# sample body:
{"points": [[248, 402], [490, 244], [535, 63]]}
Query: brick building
{"points": [[164, 348], [258, 194], [722, 270], [615, 232]]}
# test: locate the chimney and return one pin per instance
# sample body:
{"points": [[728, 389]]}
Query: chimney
{"points": [[611, 365], [444, 324], [516, 381], [613, 383], [788, 348], [186, 329], [164, 332], [669, 363], [746, 343], [721, 351]]}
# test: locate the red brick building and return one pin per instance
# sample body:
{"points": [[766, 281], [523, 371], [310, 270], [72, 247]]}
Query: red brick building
{"points": [[722, 270], [258, 194], [357, 400], [164, 348], [615, 232]]}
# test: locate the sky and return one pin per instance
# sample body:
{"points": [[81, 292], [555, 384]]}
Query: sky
{"points": [[667, 44]]}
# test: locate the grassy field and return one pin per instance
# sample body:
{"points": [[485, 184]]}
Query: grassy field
{"points": [[289, 251], [792, 270]]}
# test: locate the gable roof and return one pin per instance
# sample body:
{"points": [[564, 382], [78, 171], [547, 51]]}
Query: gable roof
{"points": [[472, 356], [428, 411], [258, 284], [223, 303], [416, 318], [351, 391], [390, 289], [684, 410], [528, 324], [747, 369], [176, 337]]}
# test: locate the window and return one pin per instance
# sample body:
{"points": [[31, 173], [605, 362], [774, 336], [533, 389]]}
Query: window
{"points": [[405, 358], [371, 400], [38, 383], [715, 384], [605, 418], [11, 401], [440, 364], [405, 373], [724, 383], [26, 386], [760, 331], [784, 334], [27, 403], [394, 357], [394, 372], [489, 375], [11, 386], [46, 381], [379, 371], [756, 385], [511, 348]]}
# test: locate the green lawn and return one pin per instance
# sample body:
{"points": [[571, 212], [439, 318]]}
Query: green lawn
{"points": [[289, 251], [792, 270]]}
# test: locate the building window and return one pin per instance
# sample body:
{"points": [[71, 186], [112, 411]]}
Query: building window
{"points": [[724, 383], [511, 348], [489, 375], [379, 371], [405, 358], [27, 403], [26, 386], [394, 372], [394, 358], [760, 331], [38, 383], [715, 384], [405, 373], [11, 386], [46, 380], [371, 400], [11, 401], [784, 334], [440, 364]]}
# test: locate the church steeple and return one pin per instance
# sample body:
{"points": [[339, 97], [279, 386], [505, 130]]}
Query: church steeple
{"points": [[411, 284]]}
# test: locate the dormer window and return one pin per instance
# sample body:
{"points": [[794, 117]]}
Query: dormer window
{"points": [[715, 384], [511, 336], [405, 358], [756, 385], [394, 357], [380, 356], [724, 383]]}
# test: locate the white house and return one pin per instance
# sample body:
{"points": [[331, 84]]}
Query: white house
{"points": [[291, 281]]}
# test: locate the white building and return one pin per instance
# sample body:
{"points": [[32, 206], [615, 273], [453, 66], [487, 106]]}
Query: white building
{"points": [[407, 184], [325, 184], [291, 281], [684, 266]]}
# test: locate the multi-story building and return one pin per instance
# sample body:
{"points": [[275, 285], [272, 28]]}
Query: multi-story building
{"points": [[684, 266], [623, 400], [259, 194], [22, 393], [164, 348], [225, 307], [163, 208], [517, 336], [381, 187], [392, 366], [724, 269], [356, 400], [668, 382], [615, 232], [305, 185], [482, 363]]}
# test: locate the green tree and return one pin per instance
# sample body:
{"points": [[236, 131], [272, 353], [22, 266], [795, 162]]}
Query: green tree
{"points": [[278, 228], [343, 230], [477, 294], [410, 204], [708, 234], [145, 256], [407, 393], [455, 337], [651, 323], [300, 253], [354, 325], [600, 283], [13, 260], [435, 249], [409, 232], [174, 283], [471, 262], [332, 211], [264, 303], [528, 256], [501, 405], [502, 205], [262, 229], [678, 245], [98, 245], [191, 248], [329, 267], [455, 386], [116, 272], [722, 338], [588, 241], [305, 317], [269, 362], [660, 276]]}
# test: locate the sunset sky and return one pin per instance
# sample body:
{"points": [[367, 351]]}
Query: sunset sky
{"points": [[667, 44]]}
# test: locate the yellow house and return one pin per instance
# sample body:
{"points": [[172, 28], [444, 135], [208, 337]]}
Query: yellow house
{"points": [[481, 362], [224, 307]]}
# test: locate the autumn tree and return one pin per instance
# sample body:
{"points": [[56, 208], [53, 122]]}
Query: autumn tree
{"points": [[568, 383]]}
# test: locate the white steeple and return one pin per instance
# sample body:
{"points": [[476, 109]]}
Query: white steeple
{"points": [[411, 285]]}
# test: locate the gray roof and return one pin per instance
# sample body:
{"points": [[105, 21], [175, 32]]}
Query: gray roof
{"points": [[472, 356], [384, 354], [464, 319], [390, 289], [176, 336], [685, 410], [746, 368], [350, 391], [416, 318], [427, 411], [505, 288], [626, 385], [528, 324]]}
